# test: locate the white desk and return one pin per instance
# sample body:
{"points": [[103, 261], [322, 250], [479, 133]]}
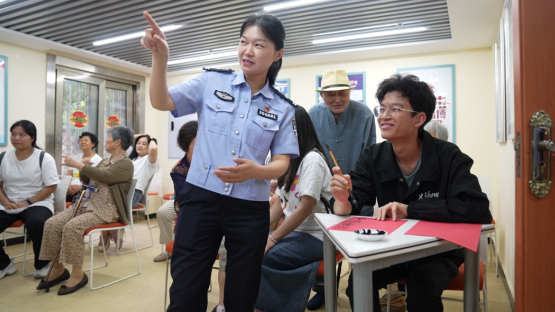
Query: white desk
{"points": [[395, 248]]}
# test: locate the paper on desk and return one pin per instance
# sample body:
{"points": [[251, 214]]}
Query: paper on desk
{"points": [[462, 234], [357, 223]]}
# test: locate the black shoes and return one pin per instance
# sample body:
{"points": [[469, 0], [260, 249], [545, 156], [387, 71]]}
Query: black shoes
{"points": [[64, 290], [316, 302], [52, 283]]}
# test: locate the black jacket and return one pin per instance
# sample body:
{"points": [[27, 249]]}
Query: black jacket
{"points": [[443, 189]]}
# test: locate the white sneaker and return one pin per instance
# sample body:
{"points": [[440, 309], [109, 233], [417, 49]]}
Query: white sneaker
{"points": [[11, 269], [39, 274]]}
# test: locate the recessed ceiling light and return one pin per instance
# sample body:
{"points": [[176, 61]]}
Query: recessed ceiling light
{"points": [[290, 4], [203, 57], [355, 29], [370, 35], [134, 35]]}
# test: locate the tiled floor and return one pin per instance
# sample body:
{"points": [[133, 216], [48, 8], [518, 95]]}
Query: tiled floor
{"points": [[146, 291]]}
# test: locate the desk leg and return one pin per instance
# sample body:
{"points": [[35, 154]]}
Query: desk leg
{"points": [[362, 286], [330, 286], [471, 280]]}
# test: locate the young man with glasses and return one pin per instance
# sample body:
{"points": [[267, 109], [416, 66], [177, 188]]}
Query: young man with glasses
{"points": [[413, 176]]}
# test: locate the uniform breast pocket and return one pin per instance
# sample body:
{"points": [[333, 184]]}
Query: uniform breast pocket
{"points": [[261, 132], [218, 116]]}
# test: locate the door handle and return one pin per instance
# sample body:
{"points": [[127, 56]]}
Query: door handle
{"points": [[542, 146]]}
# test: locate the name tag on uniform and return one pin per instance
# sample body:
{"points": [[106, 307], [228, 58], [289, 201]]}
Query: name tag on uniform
{"points": [[267, 115]]}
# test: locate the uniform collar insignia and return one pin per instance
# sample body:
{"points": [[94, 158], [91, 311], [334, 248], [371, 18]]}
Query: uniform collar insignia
{"points": [[224, 96]]}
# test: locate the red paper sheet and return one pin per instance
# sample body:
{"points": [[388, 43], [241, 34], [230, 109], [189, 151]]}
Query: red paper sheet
{"points": [[357, 223], [462, 234]]}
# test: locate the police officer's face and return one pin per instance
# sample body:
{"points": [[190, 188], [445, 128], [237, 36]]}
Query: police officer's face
{"points": [[337, 101], [401, 124], [256, 52]]}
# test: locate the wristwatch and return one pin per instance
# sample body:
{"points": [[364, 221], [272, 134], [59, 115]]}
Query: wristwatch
{"points": [[29, 201]]}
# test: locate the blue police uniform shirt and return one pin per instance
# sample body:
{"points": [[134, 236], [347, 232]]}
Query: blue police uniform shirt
{"points": [[234, 124]]}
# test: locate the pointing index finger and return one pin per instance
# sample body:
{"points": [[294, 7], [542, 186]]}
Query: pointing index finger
{"points": [[152, 23]]}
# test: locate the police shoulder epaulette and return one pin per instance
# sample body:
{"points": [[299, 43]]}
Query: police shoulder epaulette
{"points": [[229, 71], [281, 95]]}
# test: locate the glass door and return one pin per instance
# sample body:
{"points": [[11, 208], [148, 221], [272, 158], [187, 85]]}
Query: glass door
{"points": [[88, 104], [118, 109]]}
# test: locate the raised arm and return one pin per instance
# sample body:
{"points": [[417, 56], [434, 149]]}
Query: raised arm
{"points": [[119, 172], [155, 40]]}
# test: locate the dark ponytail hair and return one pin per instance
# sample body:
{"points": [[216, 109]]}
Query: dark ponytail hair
{"points": [[273, 29], [308, 142], [29, 129], [134, 153]]}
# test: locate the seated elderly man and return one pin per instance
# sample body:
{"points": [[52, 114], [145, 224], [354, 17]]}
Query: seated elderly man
{"points": [[397, 172], [347, 126]]}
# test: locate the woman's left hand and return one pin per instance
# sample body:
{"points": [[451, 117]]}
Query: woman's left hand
{"points": [[70, 162], [22, 204], [245, 169], [269, 244]]}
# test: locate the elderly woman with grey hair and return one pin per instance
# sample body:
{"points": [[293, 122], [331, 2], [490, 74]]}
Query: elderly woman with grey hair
{"points": [[437, 130], [112, 176]]}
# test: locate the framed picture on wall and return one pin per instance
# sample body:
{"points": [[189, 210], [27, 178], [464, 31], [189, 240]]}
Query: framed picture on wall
{"points": [[499, 58], [3, 100], [358, 93], [441, 79], [507, 23], [282, 85]]}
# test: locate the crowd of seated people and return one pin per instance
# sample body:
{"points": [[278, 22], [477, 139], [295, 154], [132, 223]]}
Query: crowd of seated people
{"points": [[294, 248]]}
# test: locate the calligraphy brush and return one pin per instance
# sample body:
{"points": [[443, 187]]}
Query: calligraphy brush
{"points": [[354, 202]]}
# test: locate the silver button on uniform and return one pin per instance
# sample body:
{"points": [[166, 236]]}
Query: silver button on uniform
{"points": [[232, 152], [237, 132], [227, 184], [218, 107], [265, 125], [205, 167], [246, 100], [225, 190], [241, 116]]}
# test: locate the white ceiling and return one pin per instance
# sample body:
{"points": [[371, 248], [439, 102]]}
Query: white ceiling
{"points": [[473, 24]]}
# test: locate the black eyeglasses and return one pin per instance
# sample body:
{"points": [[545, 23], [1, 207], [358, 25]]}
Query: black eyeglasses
{"points": [[380, 111]]}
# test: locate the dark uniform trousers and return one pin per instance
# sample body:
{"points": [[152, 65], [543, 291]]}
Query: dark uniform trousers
{"points": [[34, 219], [204, 218]]}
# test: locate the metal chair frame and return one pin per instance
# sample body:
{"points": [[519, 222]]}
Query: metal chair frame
{"points": [[130, 226]]}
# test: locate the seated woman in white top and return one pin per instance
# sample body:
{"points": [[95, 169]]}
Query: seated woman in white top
{"points": [[295, 249], [28, 179], [87, 141], [145, 167], [145, 161]]}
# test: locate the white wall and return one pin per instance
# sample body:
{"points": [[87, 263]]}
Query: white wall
{"points": [[26, 88]]}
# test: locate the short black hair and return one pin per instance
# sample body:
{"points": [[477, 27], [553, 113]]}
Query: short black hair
{"points": [[29, 128], [420, 95], [186, 134], [92, 137]]}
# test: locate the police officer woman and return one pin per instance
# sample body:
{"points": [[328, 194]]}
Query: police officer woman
{"points": [[241, 118]]}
